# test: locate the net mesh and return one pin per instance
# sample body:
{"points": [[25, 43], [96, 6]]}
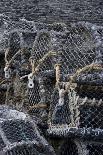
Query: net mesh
{"points": [[95, 149], [20, 135], [91, 116], [79, 147]]}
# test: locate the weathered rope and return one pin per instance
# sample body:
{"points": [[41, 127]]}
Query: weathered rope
{"points": [[2, 82], [8, 63], [71, 107], [86, 68], [42, 106], [57, 68], [35, 68]]}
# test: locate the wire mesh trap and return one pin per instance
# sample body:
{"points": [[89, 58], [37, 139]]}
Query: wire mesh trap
{"points": [[19, 134], [84, 98]]}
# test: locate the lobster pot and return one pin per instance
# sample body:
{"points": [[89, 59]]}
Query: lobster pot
{"points": [[19, 135], [77, 47], [16, 94], [40, 96]]}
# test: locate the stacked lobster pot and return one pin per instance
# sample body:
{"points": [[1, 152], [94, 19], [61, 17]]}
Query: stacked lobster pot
{"points": [[19, 134], [45, 80], [20, 37], [78, 113]]}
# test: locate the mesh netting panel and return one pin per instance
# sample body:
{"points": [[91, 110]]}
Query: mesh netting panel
{"points": [[90, 91], [27, 149], [24, 150], [77, 49], [95, 149], [14, 43], [49, 83], [59, 114], [77, 46], [2, 96], [40, 48], [19, 130], [34, 96], [91, 116]]}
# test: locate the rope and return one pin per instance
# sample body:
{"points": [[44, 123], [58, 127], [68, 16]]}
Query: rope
{"points": [[86, 68], [42, 106], [77, 112], [57, 68], [2, 82], [12, 59], [35, 68], [71, 107]]}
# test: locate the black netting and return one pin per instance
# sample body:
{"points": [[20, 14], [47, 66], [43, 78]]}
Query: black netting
{"points": [[91, 116], [68, 148], [34, 96], [59, 114], [20, 134], [95, 149], [40, 48], [19, 130], [77, 49], [24, 150]]}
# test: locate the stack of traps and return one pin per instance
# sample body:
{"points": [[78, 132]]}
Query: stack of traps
{"points": [[80, 117]]}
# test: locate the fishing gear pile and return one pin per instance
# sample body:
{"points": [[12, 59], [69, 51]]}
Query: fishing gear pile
{"points": [[53, 73]]}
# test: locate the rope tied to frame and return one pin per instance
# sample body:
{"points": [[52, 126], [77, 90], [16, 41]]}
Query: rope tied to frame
{"points": [[36, 66], [40, 62], [86, 68]]}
